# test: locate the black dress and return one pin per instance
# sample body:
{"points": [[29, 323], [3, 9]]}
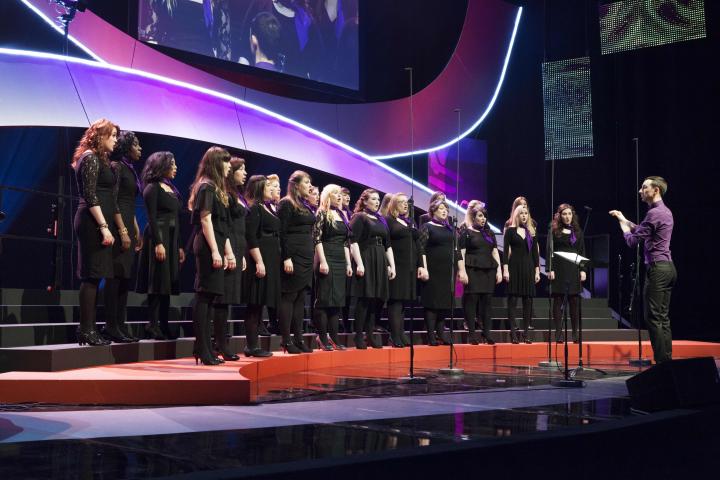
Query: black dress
{"points": [[125, 192], [233, 278], [334, 236], [565, 271], [480, 265], [296, 243], [408, 257], [373, 240], [437, 243], [163, 227], [95, 183], [263, 230], [207, 278], [521, 263]]}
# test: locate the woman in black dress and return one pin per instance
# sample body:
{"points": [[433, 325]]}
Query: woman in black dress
{"points": [[481, 271], [210, 215], [375, 265], [346, 211], [297, 217], [409, 266], [233, 278], [127, 186], [161, 256], [95, 184], [272, 312], [436, 240], [521, 268], [331, 234], [566, 276], [262, 276]]}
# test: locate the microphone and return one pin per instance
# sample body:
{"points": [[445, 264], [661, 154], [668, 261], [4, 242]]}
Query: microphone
{"points": [[589, 209]]}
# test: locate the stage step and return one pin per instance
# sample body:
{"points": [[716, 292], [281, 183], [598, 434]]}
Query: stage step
{"points": [[52, 358]]}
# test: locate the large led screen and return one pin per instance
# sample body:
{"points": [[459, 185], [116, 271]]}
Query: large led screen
{"points": [[633, 24], [312, 39]]}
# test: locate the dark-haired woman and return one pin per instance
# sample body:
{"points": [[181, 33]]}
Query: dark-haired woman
{"points": [[297, 217], [161, 256], [127, 186], [521, 269], [210, 214], [436, 240], [233, 278], [408, 263], [565, 276], [375, 265], [480, 271], [331, 234], [95, 184], [262, 275]]}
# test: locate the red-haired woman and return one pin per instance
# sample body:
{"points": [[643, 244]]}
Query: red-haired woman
{"points": [[97, 207]]}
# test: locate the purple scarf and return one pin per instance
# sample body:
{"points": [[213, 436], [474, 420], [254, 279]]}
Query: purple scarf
{"points": [[528, 238], [269, 205], [342, 217], [306, 204], [174, 189], [380, 218], [407, 220], [573, 237], [444, 223], [487, 235], [138, 183]]}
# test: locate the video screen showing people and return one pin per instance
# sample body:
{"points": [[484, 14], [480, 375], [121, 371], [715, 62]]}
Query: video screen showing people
{"points": [[313, 39]]}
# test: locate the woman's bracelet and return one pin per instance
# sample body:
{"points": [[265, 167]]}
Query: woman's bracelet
{"points": [[102, 225], [123, 231]]}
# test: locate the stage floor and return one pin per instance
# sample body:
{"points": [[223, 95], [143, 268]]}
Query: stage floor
{"points": [[325, 413]]}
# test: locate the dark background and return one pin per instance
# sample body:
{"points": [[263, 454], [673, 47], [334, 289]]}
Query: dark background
{"points": [[665, 96]]}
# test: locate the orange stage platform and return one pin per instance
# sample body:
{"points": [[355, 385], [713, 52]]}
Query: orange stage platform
{"points": [[181, 382]]}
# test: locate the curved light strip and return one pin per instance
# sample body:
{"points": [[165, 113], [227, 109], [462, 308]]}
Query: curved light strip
{"points": [[376, 159], [60, 30]]}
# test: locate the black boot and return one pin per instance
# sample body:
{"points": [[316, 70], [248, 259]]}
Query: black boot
{"points": [[201, 326], [220, 319]]}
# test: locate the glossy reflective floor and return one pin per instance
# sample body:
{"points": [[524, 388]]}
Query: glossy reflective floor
{"points": [[342, 413]]}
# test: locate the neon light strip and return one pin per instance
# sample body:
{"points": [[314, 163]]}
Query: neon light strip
{"points": [[372, 158], [60, 30]]}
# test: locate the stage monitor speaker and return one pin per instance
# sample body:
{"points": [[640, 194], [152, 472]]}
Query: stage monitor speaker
{"points": [[675, 384]]}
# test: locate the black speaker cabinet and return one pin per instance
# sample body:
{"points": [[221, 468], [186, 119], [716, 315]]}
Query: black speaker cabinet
{"points": [[675, 384]]}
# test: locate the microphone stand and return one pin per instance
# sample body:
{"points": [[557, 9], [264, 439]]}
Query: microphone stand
{"points": [[451, 368], [567, 380], [632, 308], [411, 378]]}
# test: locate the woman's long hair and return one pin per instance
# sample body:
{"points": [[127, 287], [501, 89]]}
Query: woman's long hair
{"points": [[516, 219], [360, 205], [518, 201], [210, 171], [92, 140], [255, 189], [557, 223], [234, 191], [125, 141], [293, 189], [325, 197], [156, 166], [392, 208], [385, 204]]}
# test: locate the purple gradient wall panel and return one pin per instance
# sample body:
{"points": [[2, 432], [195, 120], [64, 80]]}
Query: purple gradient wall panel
{"points": [[443, 171], [152, 106], [34, 91]]}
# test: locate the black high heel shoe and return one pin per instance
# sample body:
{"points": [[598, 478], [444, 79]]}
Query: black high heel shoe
{"points": [[514, 338], [473, 339], [371, 340], [92, 338], [395, 344], [487, 340], [432, 339], [336, 345], [290, 347], [300, 343], [209, 361], [154, 333], [116, 337], [325, 346], [360, 342]]}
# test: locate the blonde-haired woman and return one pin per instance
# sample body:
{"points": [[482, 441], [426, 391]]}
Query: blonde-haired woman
{"points": [[521, 268], [331, 235]]}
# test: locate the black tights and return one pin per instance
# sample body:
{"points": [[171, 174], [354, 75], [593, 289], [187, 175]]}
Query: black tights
{"points": [[396, 319], [158, 312], [527, 307], [435, 321], [292, 314], [326, 321], [116, 295], [252, 320], [574, 303], [88, 299], [478, 305], [221, 312], [202, 310], [366, 309]]}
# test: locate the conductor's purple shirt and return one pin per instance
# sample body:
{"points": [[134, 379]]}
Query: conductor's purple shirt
{"points": [[656, 230]]}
